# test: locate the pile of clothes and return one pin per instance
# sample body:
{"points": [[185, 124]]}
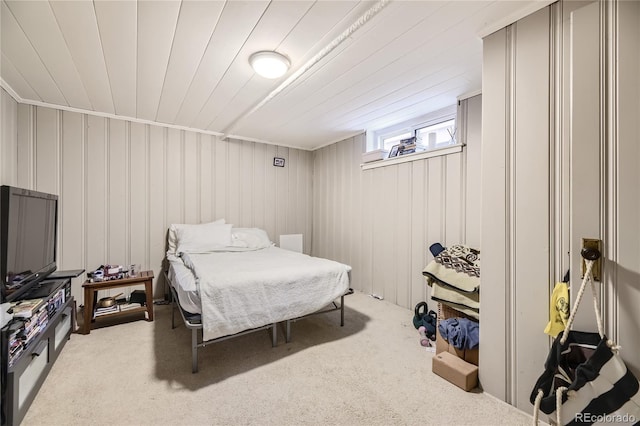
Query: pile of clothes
{"points": [[462, 333], [454, 277]]}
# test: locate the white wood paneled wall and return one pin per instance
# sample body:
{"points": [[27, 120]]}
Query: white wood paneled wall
{"points": [[515, 210], [560, 162], [8, 133], [382, 221], [121, 184]]}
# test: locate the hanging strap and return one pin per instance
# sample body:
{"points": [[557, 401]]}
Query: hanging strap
{"points": [[559, 392], [588, 277], [536, 407]]}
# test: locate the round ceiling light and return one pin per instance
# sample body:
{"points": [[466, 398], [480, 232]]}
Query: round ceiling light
{"points": [[269, 64]]}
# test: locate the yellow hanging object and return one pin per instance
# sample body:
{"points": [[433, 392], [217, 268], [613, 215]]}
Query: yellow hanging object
{"points": [[558, 310]]}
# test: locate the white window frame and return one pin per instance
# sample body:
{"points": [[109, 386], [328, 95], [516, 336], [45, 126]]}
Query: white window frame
{"points": [[375, 138]]}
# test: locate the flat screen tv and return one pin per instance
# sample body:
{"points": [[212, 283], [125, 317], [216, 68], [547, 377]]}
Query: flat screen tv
{"points": [[28, 232]]}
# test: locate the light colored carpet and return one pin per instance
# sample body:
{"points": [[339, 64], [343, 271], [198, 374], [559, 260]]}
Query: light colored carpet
{"points": [[372, 371]]}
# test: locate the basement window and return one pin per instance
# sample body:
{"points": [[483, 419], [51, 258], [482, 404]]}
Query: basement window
{"points": [[437, 135], [428, 136], [432, 132]]}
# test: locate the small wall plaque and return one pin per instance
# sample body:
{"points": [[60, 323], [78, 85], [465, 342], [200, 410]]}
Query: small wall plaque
{"points": [[278, 162]]}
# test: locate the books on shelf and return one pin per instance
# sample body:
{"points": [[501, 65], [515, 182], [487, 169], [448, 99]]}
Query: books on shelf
{"points": [[407, 148], [22, 331], [30, 319], [128, 306], [104, 311], [121, 307], [15, 343], [26, 308]]}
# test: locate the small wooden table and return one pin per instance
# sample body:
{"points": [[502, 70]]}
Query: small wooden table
{"points": [[90, 289]]}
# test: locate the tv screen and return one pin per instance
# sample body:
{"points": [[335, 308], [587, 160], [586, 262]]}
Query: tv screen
{"points": [[28, 223]]}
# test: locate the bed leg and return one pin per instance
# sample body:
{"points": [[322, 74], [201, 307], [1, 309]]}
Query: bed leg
{"points": [[194, 351], [173, 314], [342, 311], [287, 334], [274, 335]]}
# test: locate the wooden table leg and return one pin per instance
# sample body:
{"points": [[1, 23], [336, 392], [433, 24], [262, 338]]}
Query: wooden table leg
{"points": [[88, 309], [148, 289]]}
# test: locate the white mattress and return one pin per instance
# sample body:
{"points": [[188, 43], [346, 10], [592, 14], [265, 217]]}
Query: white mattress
{"points": [[245, 290], [184, 283]]}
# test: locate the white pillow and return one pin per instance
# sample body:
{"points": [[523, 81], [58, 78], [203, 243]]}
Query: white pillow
{"points": [[203, 238], [253, 238], [172, 239]]}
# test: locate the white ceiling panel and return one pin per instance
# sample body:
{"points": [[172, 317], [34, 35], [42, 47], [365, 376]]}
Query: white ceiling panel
{"points": [[405, 71], [447, 78], [407, 58], [18, 49], [319, 20], [117, 21], [406, 62], [238, 19], [77, 21], [395, 21], [156, 26], [18, 84], [196, 23], [276, 22], [36, 19], [185, 62]]}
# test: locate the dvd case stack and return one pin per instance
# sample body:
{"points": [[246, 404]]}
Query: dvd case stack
{"points": [[34, 325], [42, 318], [30, 319], [55, 301], [15, 345]]}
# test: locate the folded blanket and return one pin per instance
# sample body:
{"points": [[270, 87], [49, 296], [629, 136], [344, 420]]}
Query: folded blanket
{"points": [[449, 294], [457, 267]]}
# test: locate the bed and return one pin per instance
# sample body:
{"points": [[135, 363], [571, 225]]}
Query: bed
{"points": [[226, 282]]}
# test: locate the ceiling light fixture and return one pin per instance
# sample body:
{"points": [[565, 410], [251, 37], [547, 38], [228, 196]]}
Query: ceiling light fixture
{"points": [[269, 64]]}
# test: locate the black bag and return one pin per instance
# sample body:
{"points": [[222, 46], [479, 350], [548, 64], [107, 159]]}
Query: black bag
{"points": [[585, 379]]}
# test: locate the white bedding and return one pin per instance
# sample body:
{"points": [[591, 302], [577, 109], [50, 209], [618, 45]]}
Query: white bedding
{"points": [[245, 290], [184, 283]]}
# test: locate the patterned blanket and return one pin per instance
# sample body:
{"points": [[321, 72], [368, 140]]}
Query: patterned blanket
{"points": [[457, 267], [454, 276]]}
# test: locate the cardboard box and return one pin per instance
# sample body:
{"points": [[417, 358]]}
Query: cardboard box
{"points": [[455, 370], [469, 355]]}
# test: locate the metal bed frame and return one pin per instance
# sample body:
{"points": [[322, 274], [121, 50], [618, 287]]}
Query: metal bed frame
{"points": [[194, 323]]}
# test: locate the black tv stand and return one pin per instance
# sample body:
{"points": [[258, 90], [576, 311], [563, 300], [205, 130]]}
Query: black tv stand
{"points": [[45, 288], [71, 273], [23, 378]]}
